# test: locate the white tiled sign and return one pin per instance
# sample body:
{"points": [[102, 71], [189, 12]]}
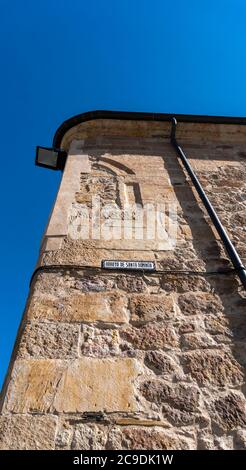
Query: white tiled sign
{"points": [[138, 265]]}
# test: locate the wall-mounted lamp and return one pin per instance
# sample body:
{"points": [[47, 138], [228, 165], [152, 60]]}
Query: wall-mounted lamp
{"points": [[51, 158]]}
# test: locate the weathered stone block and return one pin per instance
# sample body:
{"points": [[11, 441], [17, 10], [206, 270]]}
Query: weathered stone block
{"points": [[179, 283], [213, 367], [240, 440], [197, 341], [161, 363], [224, 284], [77, 307], [19, 432], [131, 283], [236, 323], [229, 411], [217, 325], [152, 307], [199, 303], [187, 326], [100, 343], [110, 307], [182, 258], [86, 384], [96, 283], [91, 252], [89, 437], [64, 437], [44, 308], [180, 403], [150, 336], [103, 186], [145, 438], [49, 340]]}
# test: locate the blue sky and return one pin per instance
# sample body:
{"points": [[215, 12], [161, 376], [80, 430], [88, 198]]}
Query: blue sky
{"points": [[60, 58]]}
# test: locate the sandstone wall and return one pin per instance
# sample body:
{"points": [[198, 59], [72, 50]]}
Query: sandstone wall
{"points": [[116, 360]]}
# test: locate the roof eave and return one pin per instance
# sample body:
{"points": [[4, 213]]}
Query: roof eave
{"points": [[140, 116]]}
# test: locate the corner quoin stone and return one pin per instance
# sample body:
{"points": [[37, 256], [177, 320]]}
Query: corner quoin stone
{"points": [[21, 432], [86, 384], [76, 307]]}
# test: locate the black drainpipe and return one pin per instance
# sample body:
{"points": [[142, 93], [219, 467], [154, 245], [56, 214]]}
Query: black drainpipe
{"points": [[231, 251]]}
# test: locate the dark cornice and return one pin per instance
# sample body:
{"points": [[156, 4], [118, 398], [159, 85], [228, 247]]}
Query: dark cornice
{"points": [[125, 115]]}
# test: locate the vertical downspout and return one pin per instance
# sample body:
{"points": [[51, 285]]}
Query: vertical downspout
{"points": [[230, 249]]}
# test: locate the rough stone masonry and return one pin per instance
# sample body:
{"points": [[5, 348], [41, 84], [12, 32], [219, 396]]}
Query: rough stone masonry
{"points": [[132, 360]]}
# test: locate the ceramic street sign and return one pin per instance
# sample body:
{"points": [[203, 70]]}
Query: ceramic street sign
{"points": [[134, 265]]}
